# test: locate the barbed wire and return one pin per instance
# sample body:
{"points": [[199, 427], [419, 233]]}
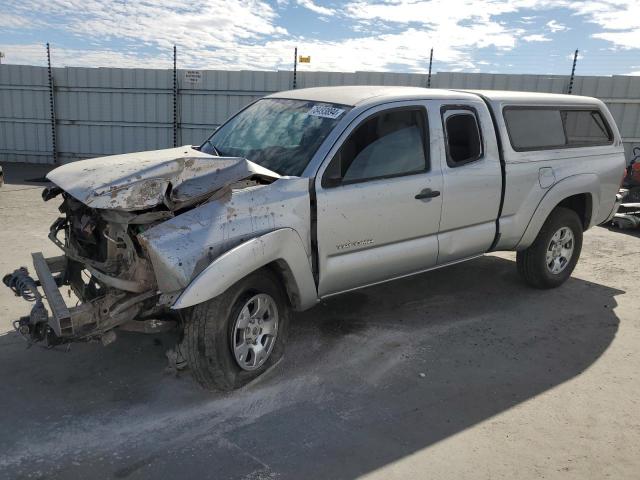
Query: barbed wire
{"points": [[258, 57]]}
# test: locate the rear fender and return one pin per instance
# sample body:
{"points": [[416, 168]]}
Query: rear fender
{"points": [[574, 185], [283, 246]]}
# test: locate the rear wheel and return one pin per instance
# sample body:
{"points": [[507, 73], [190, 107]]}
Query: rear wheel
{"points": [[551, 258], [234, 338]]}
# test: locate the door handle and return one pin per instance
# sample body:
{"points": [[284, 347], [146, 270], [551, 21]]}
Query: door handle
{"points": [[427, 193]]}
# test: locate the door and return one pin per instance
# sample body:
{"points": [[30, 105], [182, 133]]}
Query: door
{"points": [[472, 182], [378, 200]]}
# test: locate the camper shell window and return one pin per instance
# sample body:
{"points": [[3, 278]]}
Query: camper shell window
{"points": [[546, 128]]}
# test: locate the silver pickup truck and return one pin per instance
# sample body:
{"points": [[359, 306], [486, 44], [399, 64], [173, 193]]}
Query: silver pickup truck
{"points": [[311, 193]]}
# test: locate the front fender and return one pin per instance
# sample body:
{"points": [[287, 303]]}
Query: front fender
{"points": [[588, 183], [283, 246]]}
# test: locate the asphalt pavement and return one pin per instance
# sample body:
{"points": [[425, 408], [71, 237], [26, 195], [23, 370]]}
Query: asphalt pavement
{"points": [[460, 373]]}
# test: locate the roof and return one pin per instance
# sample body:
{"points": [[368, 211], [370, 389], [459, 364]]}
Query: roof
{"points": [[358, 94]]}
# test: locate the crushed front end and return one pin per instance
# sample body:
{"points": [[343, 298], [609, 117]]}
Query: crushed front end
{"points": [[104, 268], [136, 229]]}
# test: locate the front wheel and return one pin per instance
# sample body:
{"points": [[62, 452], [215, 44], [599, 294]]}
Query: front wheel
{"points": [[551, 258], [234, 338]]}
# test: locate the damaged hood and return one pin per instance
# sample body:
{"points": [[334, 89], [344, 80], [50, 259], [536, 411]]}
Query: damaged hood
{"points": [[174, 177]]}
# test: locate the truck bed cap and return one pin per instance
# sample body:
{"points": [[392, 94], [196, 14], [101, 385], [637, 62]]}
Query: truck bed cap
{"points": [[532, 97], [358, 94]]}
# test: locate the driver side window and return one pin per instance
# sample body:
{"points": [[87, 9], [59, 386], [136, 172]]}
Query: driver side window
{"points": [[390, 143]]}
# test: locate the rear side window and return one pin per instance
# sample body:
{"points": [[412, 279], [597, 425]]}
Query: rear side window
{"points": [[549, 128], [391, 143], [462, 137]]}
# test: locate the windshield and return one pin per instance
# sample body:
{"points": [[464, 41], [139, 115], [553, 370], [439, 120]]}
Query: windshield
{"points": [[278, 134]]}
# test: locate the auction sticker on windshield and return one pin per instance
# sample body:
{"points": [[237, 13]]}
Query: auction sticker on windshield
{"points": [[326, 111]]}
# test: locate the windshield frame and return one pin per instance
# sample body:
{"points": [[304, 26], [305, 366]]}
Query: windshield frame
{"points": [[348, 109]]}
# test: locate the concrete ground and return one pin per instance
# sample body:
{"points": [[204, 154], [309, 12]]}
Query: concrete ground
{"points": [[462, 373]]}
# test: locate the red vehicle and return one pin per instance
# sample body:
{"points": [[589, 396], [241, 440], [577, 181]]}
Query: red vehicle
{"points": [[632, 178], [628, 214]]}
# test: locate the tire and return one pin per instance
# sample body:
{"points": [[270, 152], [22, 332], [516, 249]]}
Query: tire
{"points": [[210, 330], [533, 263]]}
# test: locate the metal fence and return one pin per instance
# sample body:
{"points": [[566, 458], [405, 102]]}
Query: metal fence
{"points": [[103, 111]]}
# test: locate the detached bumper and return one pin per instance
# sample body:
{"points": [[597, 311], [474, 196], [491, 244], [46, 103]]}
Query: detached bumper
{"points": [[94, 318]]}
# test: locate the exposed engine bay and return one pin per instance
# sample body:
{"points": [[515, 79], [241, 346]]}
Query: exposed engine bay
{"points": [[134, 231], [103, 265]]}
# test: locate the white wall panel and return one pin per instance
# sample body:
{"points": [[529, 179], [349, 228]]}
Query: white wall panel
{"points": [[103, 111]]}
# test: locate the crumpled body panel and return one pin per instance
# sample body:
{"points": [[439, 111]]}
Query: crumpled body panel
{"points": [[182, 247], [175, 177]]}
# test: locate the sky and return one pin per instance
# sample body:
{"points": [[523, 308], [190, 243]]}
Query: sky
{"points": [[492, 36]]}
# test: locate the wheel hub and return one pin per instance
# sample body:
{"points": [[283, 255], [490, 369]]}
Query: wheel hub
{"points": [[254, 331], [560, 250]]}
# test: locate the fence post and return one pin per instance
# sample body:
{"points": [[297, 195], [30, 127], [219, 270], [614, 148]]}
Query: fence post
{"points": [[52, 107], [175, 99], [430, 63], [573, 72], [295, 66]]}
